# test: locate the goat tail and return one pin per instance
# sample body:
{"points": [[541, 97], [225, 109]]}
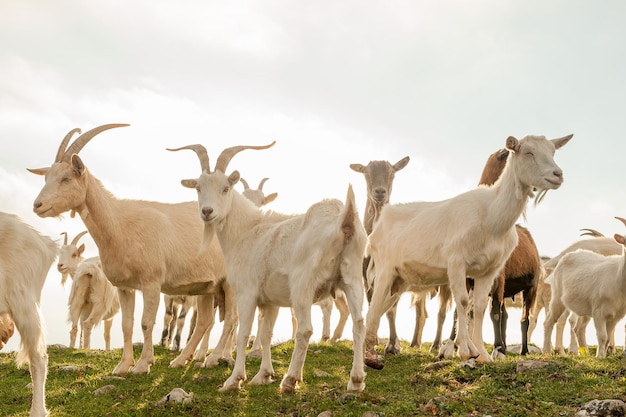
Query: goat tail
{"points": [[350, 217]]}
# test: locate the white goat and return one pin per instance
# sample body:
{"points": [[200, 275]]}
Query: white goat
{"points": [[70, 255], [599, 244], [589, 285], [276, 260], [25, 259], [143, 245], [423, 244], [259, 199], [93, 299], [84, 296]]}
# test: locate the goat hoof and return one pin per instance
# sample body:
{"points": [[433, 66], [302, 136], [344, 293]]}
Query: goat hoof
{"points": [[374, 363]]}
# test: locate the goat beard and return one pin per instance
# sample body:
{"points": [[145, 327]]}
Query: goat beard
{"points": [[207, 236]]}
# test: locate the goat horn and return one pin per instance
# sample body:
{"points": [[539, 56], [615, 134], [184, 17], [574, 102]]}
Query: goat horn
{"points": [[621, 220], [227, 155], [64, 143], [591, 232], [200, 151], [245, 183], [65, 238], [82, 140], [78, 236], [261, 183]]}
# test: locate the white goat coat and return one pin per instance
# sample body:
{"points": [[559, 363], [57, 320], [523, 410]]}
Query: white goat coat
{"points": [[25, 258]]}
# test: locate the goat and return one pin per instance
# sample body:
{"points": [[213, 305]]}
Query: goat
{"points": [[599, 244], [276, 260], [91, 290], [589, 285], [257, 196], [25, 259], [70, 255], [379, 176], [143, 245], [521, 273], [93, 299], [424, 244], [259, 199]]}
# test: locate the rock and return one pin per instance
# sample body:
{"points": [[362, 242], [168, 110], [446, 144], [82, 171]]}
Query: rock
{"points": [[71, 368], [602, 408], [177, 395], [103, 390], [325, 414], [529, 365]]}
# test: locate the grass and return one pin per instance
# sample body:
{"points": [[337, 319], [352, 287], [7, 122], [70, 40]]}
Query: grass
{"points": [[409, 385]]}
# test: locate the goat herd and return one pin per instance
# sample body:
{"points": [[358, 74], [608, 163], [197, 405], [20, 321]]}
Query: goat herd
{"points": [[234, 257]]}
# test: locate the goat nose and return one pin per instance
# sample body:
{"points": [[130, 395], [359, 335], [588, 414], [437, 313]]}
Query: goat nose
{"points": [[558, 173], [37, 204], [207, 211], [380, 192]]}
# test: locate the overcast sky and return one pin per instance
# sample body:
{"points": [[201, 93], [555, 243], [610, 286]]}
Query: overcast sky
{"points": [[334, 83]]}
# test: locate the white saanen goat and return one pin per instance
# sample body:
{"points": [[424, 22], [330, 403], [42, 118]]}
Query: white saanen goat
{"points": [[599, 244], [259, 199], [143, 245], [424, 244], [590, 285], [25, 259], [93, 299], [275, 260], [70, 255]]}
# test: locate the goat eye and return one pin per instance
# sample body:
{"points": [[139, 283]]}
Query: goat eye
{"points": [[226, 189], [65, 179], [532, 155]]}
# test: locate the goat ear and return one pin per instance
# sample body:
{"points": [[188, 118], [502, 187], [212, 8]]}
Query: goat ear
{"points": [[189, 183], [401, 164], [81, 249], [357, 167], [620, 239], [269, 198], [234, 178], [512, 144], [77, 164], [39, 171], [561, 141]]}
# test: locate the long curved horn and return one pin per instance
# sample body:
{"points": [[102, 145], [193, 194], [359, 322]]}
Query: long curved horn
{"points": [[65, 238], [201, 152], [621, 220], [63, 145], [78, 236], [261, 183], [245, 184], [228, 153], [82, 140]]}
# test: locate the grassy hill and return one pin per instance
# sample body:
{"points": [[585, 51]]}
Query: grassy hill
{"points": [[411, 384]]}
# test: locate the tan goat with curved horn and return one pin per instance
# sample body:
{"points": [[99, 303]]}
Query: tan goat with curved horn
{"points": [[143, 245], [275, 260]]}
